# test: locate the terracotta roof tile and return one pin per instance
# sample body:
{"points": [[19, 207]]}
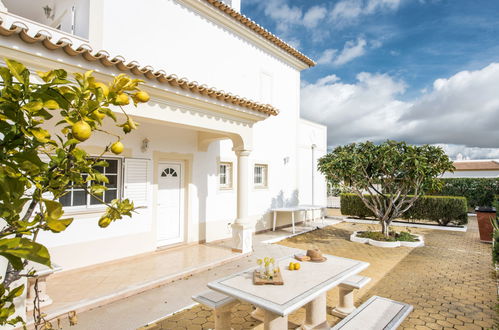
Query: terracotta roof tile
{"points": [[261, 31], [86, 51], [476, 165]]}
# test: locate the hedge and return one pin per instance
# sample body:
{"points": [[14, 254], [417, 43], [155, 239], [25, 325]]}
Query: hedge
{"points": [[441, 209], [478, 191]]}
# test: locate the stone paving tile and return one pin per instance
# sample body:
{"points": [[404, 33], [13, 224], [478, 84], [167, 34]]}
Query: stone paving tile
{"points": [[449, 282]]}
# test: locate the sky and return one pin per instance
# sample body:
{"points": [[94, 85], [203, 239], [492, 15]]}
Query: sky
{"points": [[422, 71]]}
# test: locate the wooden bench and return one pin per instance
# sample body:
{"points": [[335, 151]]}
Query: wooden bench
{"points": [[221, 305], [377, 313], [346, 305]]}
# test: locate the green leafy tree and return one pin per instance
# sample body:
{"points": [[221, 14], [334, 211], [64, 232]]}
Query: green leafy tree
{"points": [[388, 177], [37, 166]]}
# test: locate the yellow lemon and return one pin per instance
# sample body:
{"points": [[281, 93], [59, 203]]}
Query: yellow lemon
{"points": [[105, 89], [297, 266], [122, 99], [81, 130], [291, 266], [117, 148], [104, 222], [142, 96]]}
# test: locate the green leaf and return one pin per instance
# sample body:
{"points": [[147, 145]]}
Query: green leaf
{"points": [[18, 70], [54, 209], [16, 292], [20, 247], [6, 76], [40, 134], [33, 106], [51, 104], [59, 225]]}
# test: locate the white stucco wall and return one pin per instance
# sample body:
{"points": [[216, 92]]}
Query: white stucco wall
{"points": [[311, 133], [173, 37]]}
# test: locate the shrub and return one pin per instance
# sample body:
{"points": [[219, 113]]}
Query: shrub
{"points": [[441, 209], [393, 236], [478, 191]]}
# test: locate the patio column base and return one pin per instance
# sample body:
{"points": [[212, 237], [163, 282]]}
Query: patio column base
{"points": [[242, 236], [346, 305]]}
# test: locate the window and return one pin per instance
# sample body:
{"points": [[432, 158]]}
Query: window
{"points": [[78, 197], [225, 175], [260, 175]]}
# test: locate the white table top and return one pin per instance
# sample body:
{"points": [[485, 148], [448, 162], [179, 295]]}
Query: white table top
{"points": [[300, 287]]}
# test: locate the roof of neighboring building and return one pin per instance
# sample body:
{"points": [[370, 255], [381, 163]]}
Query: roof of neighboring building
{"points": [[481, 165], [261, 31], [86, 51]]}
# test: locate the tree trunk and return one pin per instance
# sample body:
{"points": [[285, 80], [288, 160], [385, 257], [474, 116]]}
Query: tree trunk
{"points": [[385, 228]]}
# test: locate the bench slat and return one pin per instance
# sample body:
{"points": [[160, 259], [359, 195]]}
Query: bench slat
{"points": [[377, 313], [213, 299], [356, 281]]}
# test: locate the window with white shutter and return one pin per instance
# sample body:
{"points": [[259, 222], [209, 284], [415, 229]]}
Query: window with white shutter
{"points": [[136, 181]]}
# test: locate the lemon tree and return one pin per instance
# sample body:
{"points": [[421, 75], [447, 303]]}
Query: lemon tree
{"points": [[37, 166]]}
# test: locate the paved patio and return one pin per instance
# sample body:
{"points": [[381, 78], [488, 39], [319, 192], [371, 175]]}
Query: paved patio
{"points": [[449, 281], [143, 308]]}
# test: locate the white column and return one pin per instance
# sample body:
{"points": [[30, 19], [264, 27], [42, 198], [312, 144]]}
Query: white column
{"points": [[242, 228]]}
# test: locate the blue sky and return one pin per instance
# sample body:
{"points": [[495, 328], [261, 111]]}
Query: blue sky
{"points": [[422, 57]]}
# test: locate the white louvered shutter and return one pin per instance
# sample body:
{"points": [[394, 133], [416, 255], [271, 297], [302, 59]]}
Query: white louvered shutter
{"points": [[136, 180]]}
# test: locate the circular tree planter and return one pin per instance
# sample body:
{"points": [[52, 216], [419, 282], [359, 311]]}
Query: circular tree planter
{"points": [[373, 242]]}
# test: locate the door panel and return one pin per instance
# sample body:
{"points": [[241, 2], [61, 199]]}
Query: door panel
{"points": [[169, 210]]}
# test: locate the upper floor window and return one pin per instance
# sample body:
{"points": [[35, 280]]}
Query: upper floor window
{"points": [[225, 175], [68, 16], [260, 175], [77, 196]]}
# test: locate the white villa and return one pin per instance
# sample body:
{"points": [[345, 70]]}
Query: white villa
{"points": [[207, 163]]}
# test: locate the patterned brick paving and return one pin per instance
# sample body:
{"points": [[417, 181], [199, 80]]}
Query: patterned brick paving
{"points": [[449, 282]]}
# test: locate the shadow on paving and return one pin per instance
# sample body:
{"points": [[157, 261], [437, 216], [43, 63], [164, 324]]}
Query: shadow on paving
{"points": [[449, 281]]}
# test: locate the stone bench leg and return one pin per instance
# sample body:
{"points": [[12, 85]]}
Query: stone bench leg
{"points": [[346, 305], [223, 316], [315, 313]]}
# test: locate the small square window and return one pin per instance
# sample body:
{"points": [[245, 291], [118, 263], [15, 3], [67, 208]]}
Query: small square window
{"points": [[225, 175], [78, 197], [260, 175]]}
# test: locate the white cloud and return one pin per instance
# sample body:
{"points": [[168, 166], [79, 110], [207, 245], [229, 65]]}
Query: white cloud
{"points": [[313, 16], [348, 11], [351, 50], [461, 112]]}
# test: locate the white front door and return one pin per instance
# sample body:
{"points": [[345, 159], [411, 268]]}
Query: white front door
{"points": [[170, 219]]}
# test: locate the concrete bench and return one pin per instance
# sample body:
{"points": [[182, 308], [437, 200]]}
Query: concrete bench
{"points": [[221, 305], [377, 313], [346, 288]]}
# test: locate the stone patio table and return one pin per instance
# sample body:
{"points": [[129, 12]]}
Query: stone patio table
{"points": [[307, 286]]}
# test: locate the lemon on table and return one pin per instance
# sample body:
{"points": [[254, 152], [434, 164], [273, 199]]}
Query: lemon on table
{"points": [[291, 266], [297, 266]]}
